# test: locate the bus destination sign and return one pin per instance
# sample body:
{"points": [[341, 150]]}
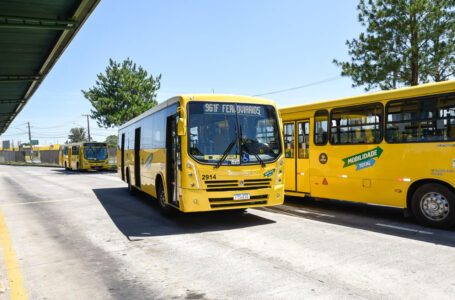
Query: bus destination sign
{"points": [[221, 108]]}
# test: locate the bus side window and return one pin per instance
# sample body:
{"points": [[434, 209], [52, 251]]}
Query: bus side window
{"points": [[304, 135], [289, 140], [75, 150], [428, 120], [321, 119], [356, 125], [65, 150]]}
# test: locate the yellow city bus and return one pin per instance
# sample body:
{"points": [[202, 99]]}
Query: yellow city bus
{"points": [[394, 148], [84, 156], [205, 152]]}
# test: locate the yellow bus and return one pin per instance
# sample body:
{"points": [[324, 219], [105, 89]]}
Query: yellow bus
{"points": [[394, 148], [84, 156], [205, 152]]}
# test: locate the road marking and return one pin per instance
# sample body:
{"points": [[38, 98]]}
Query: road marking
{"points": [[404, 228], [307, 211], [15, 279], [35, 202]]}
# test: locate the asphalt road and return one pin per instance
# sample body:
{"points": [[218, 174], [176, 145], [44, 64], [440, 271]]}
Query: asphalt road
{"points": [[69, 235]]}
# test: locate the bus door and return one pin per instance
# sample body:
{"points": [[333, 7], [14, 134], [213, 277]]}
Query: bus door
{"points": [[289, 156], [303, 155], [70, 158], [172, 159], [137, 158], [122, 157]]}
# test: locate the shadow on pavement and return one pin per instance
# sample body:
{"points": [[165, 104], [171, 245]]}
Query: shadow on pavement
{"points": [[140, 216], [62, 171], [380, 219]]}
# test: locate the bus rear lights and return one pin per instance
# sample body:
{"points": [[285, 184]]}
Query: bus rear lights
{"points": [[398, 191], [192, 184], [342, 176], [404, 179], [300, 173]]}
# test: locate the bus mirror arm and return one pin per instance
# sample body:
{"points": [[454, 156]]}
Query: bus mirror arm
{"points": [[181, 127]]}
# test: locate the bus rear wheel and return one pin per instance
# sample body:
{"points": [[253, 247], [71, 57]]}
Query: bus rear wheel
{"points": [[434, 205], [166, 209]]}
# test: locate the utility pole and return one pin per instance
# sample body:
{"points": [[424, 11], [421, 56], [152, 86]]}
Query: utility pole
{"points": [[30, 141], [88, 127]]}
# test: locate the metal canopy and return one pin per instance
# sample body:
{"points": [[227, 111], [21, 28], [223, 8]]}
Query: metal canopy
{"points": [[33, 35]]}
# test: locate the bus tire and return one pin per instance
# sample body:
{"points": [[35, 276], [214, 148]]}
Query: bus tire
{"points": [[167, 210], [434, 205], [66, 167], [131, 189]]}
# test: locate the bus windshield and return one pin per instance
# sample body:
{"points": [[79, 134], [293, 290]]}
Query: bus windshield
{"points": [[95, 153], [233, 133]]}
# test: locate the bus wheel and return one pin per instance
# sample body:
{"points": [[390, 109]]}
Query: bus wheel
{"points": [[131, 189], [66, 167], [166, 209], [434, 205]]}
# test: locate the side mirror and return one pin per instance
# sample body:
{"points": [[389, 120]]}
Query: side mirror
{"points": [[181, 127]]}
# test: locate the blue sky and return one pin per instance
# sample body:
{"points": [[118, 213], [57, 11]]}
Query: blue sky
{"points": [[235, 47]]}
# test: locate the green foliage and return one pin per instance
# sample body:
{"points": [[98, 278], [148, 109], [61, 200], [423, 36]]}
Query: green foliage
{"points": [[407, 42], [77, 135], [122, 93], [111, 141]]}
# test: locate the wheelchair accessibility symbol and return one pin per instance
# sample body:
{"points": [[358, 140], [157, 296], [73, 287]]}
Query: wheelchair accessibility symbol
{"points": [[245, 158]]}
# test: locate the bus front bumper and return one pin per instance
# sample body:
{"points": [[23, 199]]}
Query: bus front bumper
{"points": [[200, 200]]}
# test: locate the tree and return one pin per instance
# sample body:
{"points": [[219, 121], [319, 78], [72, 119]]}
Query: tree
{"points": [[77, 135], [122, 93], [111, 141], [407, 42]]}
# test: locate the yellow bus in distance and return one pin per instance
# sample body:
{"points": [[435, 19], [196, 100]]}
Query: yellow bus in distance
{"points": [[84, 156], [205, 152], [394, 148]]}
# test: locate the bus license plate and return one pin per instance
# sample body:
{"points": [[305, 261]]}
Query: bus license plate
{"points": [[241, 196]]}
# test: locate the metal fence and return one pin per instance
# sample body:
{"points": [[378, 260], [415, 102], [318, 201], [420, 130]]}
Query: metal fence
{"points": [[43, 156]]}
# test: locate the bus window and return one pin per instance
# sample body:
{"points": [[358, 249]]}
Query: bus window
{"points": [[356, 125], [321, 118], [75, 150], [428, 120], [65, 150], [304, 135], [289, 140]]}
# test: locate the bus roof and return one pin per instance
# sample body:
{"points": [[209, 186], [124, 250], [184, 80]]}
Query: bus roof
{"points": [[197, 97], [408, 92]]}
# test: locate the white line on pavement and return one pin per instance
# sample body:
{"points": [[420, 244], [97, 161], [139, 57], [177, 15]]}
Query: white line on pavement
{"points": [[404, 228], [306, 211]]}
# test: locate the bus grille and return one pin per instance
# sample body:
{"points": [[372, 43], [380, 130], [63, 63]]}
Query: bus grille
{"points": [[227, 201], [237, 185]]}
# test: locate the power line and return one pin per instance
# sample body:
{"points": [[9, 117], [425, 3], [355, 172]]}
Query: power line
{"points": [[300, 86]]}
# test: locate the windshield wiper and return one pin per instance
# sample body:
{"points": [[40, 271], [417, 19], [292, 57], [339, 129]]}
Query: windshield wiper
{"points": [[242, 142], [225, 153], [255, 154]]}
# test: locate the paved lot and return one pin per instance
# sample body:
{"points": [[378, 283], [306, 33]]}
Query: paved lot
{"points": [[81, 236]]}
